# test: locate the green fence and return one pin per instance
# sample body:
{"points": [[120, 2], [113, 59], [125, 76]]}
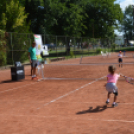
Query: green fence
{"points": [[17, 45]]}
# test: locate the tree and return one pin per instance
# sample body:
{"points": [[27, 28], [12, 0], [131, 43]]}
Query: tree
{"points": [[102, 15], [127, 23], [68, 16], [13, 18], [2, 48]]}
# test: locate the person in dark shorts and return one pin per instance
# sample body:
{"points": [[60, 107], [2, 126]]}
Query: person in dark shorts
{"points": [[111, 87], [33, 60], [120, 59]]}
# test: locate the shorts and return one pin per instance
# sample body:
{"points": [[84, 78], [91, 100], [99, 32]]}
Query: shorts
{"points": [[120, 60], [34, 63], [112, 88]]}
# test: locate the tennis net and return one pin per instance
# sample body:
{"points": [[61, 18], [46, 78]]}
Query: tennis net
{"points": [[111, 58]]}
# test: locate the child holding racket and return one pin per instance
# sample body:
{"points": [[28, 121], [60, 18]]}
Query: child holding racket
{"points": [[111, 87], [120, 59]]}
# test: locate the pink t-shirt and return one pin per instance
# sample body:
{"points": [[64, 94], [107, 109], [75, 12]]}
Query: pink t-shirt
{"points": [[112, 78]]}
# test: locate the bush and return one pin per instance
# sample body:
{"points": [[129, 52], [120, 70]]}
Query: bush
{"points": [[71, 54], [98, 50], [2, 48], [2, 58], [113, 46]]}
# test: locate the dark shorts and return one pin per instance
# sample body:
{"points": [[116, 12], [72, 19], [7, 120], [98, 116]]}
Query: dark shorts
{"points": [[34, 63], [120, 60]]}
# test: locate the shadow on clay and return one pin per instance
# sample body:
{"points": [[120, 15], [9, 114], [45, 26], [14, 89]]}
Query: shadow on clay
{"points": [[94, 110]]}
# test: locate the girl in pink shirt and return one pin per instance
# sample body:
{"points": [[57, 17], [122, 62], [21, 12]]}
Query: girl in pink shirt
{"points": [[111, 87]]}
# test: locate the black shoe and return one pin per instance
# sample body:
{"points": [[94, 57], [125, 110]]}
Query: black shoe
{"points": [[115, 105], [107, 102]]}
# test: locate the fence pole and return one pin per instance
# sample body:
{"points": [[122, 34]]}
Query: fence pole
{"points": [[88, 47], [82, 47], [66, 47], [74, 46], [56, 48], [12, 49], [6, 52]]}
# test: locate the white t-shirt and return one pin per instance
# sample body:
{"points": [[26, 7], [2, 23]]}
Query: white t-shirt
{"points": [[120, 55]]}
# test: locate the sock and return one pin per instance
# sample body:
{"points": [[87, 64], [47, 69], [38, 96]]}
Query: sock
{"points": [[33, 76], [107, 100]]}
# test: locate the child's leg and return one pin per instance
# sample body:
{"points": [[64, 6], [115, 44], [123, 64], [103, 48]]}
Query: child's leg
{"points": [[108, 97], [121, 64], [115, 98], [34, 70]]}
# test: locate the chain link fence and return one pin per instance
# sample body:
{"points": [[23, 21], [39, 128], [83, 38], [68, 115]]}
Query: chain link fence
{"points": [[15, 47]]}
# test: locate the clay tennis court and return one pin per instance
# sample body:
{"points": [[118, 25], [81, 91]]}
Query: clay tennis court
{"points": [[67, 106]]}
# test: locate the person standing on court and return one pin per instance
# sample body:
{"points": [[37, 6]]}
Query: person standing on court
{"points": [[120, 59], [33, 60]]}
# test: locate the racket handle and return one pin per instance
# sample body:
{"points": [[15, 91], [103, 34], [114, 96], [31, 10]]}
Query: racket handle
{"points": [[122, 75]]}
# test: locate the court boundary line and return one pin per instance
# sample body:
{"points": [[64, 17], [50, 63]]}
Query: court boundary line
{"points": [[23, 101], [69, 93], [125, 121], [18, 87]]}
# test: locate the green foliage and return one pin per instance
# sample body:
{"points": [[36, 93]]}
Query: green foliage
{"points": [[127, 23], [20, 42], [101, 17], [98, 50], [113, 46], [71, 54], [13, 18], [93, 41], [94, 18], [2, 48], [2, 58]]}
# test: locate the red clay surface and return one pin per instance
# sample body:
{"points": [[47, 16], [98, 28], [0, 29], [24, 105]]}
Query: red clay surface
{"points": [[56, 107]]}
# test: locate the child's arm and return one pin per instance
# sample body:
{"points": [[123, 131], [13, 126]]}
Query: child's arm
{"points": [[106, 83]]}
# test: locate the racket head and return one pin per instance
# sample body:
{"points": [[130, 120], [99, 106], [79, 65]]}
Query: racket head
{"points": [[129, 80]]}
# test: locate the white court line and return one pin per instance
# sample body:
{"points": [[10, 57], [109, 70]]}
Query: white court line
{"points": [[17, 88], [124, 103], [70, 92], [57, 116]]}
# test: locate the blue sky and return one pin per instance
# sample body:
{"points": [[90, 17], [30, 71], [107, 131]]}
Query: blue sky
{"points": [[123, 4]]}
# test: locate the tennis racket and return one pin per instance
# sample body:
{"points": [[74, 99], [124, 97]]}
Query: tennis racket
{"points": [[128, 79]]}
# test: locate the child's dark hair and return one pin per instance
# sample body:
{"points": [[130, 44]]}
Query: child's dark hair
{"points": [[111, 69]]}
